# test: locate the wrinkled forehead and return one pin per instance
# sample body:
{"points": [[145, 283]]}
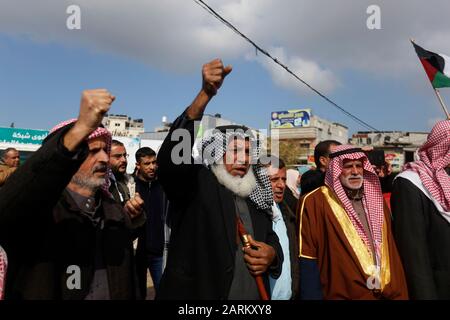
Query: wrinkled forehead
{"points": [[348, 161], [98, 142]]}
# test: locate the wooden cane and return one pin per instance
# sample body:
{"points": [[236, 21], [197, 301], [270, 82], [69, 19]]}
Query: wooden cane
{"points": [[246, 243]]}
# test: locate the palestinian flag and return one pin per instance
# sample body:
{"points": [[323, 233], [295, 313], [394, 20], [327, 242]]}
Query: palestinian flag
{"points": [[437, 66]]}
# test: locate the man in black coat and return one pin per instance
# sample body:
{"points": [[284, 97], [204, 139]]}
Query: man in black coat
{"points": [[65, 236], [421, 212], [206, 259]]}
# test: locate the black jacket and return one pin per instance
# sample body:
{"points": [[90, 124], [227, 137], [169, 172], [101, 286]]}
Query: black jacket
{"points": [[152, 233], [203, 244], [311, 180], [43, 233], [423, 241]]}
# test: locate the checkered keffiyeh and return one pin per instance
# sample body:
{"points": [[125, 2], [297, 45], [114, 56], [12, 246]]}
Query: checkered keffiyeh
{"points": [[99, 132], [212, 149], [3, 268], [434, 156], [372, 198]]}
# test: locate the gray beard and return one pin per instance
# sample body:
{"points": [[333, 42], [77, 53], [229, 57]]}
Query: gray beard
{"points": [[89, 183], [242, 187]]}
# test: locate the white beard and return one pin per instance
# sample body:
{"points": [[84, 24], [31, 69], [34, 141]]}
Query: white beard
{"points": [[239, 186]]}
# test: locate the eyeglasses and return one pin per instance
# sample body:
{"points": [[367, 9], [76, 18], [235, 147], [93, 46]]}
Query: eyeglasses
{"points": [[118, 156]]}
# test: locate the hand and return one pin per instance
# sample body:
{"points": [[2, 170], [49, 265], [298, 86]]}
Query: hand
{"points": [[94, 105], [134, 206], [258, 257], [213, 75]]}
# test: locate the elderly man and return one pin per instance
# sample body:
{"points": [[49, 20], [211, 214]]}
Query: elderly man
{"points": [[205, 260], [65, 236], [284, 225], [346, 247], [421, 210], [9, 162]]}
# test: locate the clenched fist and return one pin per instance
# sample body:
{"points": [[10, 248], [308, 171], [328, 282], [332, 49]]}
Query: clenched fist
{"points": [[213, 75], [94, 104], [134, 206]]}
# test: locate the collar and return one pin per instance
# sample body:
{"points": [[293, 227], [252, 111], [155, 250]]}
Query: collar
{"points": [[355, 195], [276, 212]]}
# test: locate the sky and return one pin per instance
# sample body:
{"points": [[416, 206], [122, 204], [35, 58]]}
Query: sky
{"points": [[149, 54]]}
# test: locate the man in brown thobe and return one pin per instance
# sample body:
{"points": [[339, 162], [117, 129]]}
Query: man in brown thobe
{"points": [[346, 247]]}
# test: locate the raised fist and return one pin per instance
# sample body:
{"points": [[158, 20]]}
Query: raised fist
{"points": [[94, 105], [213, 74]]}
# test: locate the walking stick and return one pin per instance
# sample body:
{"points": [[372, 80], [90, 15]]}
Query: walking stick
{"points": [[259, 280]]}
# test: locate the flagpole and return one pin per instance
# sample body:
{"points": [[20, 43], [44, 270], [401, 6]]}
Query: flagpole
{"points": [[442, 102]]}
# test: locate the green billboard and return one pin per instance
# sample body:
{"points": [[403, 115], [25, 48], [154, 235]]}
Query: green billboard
{"points": [[22, 136]]}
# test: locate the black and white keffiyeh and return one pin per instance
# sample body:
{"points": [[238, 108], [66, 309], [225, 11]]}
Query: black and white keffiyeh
{"points": [[213, 147]]}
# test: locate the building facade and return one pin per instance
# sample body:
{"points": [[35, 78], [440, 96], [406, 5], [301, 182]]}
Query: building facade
{"points": [[302, 131], [398, 146], [123, 126]]}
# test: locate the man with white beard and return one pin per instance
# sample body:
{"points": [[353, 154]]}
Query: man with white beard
{"points": [[347, 250], [206, 259]]}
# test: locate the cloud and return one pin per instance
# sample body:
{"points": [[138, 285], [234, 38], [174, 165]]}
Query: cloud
{"points": [[178, 35], [321, 79]]}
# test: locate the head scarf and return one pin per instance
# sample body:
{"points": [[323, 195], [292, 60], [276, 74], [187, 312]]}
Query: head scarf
{"points": [[3, 267], [372, 198], [434, 157], [291, 182], [213, 147], [97, 133]]}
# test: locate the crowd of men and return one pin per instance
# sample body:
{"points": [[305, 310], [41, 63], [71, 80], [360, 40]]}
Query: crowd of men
{"points": [[236, 225]]}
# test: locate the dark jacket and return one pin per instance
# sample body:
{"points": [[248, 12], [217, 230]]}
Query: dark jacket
{"points": [[311, 180], [203, 244], [291, 227], [290, 199], [151, 234], [43, 233], [423, 241]]}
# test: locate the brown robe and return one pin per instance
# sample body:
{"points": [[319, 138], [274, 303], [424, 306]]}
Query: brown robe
{"points": [[345, 264]]}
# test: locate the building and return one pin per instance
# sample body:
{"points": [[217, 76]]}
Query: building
{"points": [[398, 146], [302, 131], [123, 126]]}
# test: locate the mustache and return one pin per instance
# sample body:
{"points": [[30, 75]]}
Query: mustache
{"points": [[358, 176], [101, 167]]}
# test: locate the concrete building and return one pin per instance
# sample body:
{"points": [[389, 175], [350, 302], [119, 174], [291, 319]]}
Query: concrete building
{"points": [[305, 130], [398, 146], [123, 126]]}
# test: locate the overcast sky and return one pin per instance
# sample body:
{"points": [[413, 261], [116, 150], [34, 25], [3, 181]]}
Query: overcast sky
{"points": [[151, 51]]}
